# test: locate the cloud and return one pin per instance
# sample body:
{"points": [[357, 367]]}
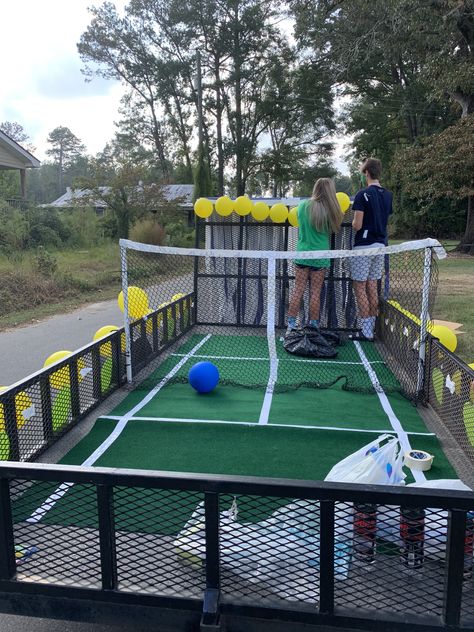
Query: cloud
{"points": [[64, 80]]}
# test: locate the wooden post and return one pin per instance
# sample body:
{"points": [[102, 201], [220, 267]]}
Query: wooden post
{"points": [[23, 183]]}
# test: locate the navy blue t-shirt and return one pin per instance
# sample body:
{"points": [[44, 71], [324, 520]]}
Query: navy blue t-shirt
{"points": [[376, 204]]}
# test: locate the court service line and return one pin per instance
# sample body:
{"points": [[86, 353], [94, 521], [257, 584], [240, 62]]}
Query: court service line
{"points": [[272, 352], [252, 423], [387, 407], [60, 491]]}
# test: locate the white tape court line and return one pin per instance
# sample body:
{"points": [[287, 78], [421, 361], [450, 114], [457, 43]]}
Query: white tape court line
{"points": [[253, 423], [58, 493], [394, 421]]}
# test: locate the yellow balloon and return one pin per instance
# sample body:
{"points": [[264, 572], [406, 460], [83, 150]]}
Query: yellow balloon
{"points": [[137, 302], [106, 348], [279, 213], [293, 216], [60, 378], [23, 407], [203, 207], [243, 205], [224, 206], [446, 337], [344, 201], [260, 211]]}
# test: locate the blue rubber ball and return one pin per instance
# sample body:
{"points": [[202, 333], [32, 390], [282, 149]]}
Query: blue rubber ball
{"points": [[203, 377]]}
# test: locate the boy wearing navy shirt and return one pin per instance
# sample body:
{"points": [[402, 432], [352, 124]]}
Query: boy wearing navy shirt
{"points": [[372, 207]]}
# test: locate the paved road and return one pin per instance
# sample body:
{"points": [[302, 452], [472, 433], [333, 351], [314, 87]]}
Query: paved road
{"points": [[24, 349]]}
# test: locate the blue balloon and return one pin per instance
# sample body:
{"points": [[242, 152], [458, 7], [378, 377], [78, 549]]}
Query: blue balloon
{"points": [[203, 377]]}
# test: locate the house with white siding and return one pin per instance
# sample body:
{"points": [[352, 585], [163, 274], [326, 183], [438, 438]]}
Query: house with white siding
{"points": [[13, 156]]}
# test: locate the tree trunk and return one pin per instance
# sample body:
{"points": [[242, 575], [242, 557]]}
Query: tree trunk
{"points": [[239, 184], [159, 145], [220, 149], [466, 244]]}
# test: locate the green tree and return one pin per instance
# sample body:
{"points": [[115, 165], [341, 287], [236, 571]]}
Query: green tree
{"points": [[126, 195], [65, 147], [442, 166]]}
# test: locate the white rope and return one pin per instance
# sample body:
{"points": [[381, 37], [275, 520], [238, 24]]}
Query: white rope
{"points": [[394, 421], [304, 360], [253, 423], [407, 246], [58, 493]]}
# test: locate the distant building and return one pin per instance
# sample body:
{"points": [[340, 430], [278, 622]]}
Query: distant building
{"points": [[72, 198], [13, 156]]}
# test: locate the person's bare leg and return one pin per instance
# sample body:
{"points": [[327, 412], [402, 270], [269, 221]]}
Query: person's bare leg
{"points": [[301, 279], [361, 294], [373, 297], [316, 280]]}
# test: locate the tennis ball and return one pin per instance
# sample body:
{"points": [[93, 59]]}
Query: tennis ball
{"points": [[468, 417], [260, 211], [137, 302], [279, 213], [243, 205], [4, 446], [437, 379], [224, 206], [457, 379], [293, 216], [344, 201], [203, 207]]}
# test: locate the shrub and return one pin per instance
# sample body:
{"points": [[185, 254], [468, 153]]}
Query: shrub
{"points": [[148, 231], [45, 263], [84, 227]]}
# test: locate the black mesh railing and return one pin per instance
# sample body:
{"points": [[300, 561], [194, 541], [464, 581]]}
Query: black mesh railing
{"points": [[450, 392], [299, 551], [37, 411]]}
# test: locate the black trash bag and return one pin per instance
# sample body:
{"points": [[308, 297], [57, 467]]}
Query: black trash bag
{"points": [[308, 342], [332, 337]]}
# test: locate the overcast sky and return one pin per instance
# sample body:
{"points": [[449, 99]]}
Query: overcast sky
{"points": [[42, 86]]}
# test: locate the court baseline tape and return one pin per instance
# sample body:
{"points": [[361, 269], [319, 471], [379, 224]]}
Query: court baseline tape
{"points": [[418, 475], [62, 489]]}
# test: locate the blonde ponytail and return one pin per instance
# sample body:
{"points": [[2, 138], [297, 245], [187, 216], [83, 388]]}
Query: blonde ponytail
{"points": [[325, 212]]}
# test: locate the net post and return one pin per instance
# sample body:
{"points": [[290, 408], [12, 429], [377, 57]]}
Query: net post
{"points": [[424, 316], [128, 342]]}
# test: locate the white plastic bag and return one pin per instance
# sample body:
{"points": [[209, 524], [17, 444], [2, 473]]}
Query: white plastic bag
{"points": [[280, 552], [378, 463]]}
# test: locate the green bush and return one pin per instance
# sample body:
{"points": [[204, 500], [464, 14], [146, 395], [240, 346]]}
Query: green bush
{"points": [[179, 234], [14, 229], [84, 227], [148, 231], [45, 263]]}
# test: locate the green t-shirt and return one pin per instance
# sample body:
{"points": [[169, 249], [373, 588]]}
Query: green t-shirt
{"points": [[309, 238]]}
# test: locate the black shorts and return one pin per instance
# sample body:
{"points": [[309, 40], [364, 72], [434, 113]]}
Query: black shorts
{"points": [[303, 266]]}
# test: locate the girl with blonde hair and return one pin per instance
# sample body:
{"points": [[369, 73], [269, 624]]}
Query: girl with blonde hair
{"points": [[318, 217]]}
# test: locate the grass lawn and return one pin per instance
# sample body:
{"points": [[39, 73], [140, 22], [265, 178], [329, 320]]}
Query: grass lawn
{"points": [[455, 299], [82, 276], [455, 295]]}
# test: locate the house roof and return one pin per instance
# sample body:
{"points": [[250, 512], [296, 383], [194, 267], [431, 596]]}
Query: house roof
{"points": [[170, 191], [13, 156]]}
